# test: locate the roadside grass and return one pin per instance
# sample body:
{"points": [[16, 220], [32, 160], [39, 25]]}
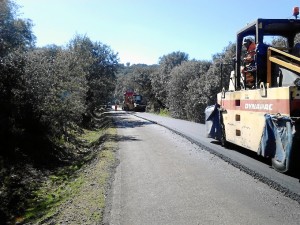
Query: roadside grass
{"points": [[164, 112], [70, 181], [92, 136]]}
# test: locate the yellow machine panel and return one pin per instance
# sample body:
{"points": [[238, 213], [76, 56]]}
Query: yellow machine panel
{"points": [[243, 113]]}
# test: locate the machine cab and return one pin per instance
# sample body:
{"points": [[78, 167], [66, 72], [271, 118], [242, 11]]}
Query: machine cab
{"points": [[274, 65]]}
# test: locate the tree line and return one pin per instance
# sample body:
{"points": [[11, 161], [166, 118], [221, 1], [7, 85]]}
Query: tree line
{"points": [[49, 93], [47, 96], [46, 91], [182, 86]]}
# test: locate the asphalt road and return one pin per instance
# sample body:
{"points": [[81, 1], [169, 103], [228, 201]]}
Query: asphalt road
{"points": [[243, 159], [163, 178]]}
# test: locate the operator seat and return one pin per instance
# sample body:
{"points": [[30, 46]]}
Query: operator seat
{"points": [[296, 50], [261, 61]]}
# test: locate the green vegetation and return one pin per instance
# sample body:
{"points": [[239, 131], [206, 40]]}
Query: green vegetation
{"points": [[49, 100], [177, 85], [164, 112], [47, 96], [91, 136], [71, 181]]}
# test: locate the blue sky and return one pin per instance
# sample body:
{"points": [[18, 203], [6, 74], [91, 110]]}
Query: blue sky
{"points": [[141, 31]]}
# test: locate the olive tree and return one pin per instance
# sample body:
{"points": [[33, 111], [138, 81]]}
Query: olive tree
{"points": [[55, 87], [203, 90], [179, 96], [16, 37], [15, 33], [101, 67], [161, 78]]}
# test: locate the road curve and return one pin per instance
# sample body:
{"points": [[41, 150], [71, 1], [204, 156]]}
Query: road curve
{"points": [[163, 178]]}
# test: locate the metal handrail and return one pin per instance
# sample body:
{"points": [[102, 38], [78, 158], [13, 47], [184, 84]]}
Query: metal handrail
{"points": [[286, 62]]}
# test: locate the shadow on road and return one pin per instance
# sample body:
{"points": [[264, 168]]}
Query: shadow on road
{"points": [[121, 121], [232, 147], [123, 138]]}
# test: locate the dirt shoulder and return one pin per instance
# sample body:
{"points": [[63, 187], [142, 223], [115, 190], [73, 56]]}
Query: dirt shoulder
{"points": [[77, 198], [85, 204]]}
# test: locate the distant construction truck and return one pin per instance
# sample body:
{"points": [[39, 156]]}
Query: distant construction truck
{"points": [[263, 114], [133, 102]]}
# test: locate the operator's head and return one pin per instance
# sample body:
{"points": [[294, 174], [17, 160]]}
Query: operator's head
{"points": [[247, 42]]}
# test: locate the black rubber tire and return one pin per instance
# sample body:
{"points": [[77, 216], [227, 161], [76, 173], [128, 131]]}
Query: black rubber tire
{"points": [[223, 141], [295, 155]]}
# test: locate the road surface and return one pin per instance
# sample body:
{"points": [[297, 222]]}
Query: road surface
{"points": [[243, 159], [163, 178]]}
